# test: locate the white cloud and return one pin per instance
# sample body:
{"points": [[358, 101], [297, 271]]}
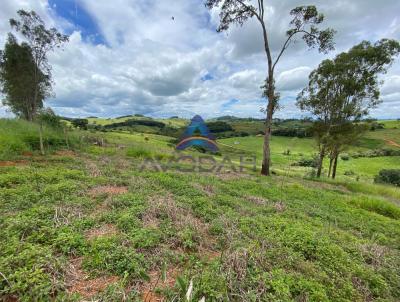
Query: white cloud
{"points": [[153, 64], [293, 79]]}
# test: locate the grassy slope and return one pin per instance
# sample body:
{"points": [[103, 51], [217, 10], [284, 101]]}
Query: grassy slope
{"points": [[260, 238], [94, 219]]}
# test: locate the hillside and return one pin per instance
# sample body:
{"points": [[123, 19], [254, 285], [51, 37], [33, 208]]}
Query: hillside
{"points": [[88, 224]]}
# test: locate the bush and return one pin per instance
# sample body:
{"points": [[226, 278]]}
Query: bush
{"points": [[306, 162], [377, 153], [389, 176], [345, 157], [80, 123]]}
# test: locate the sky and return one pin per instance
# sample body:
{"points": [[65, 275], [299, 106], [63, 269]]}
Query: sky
{"points": [[163, 58]]}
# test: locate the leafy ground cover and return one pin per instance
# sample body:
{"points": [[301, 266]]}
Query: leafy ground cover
{"points": [[89, 225]]}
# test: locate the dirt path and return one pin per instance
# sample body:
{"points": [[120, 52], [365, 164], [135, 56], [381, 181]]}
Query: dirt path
{"points": [[392, 143]]}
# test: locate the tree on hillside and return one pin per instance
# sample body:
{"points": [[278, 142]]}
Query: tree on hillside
{"points": [[17, 79], [40, 42], [80, 123], [342, 91], [305, 21]]}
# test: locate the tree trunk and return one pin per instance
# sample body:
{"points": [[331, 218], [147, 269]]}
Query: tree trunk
{"points": [[335, 166], [266, 152], [330, 166], [321, 161], [265, 168], [41, 138]]}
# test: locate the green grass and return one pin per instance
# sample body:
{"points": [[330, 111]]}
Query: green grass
{"points": [[19, 136], [280, 238], [98, 218]]}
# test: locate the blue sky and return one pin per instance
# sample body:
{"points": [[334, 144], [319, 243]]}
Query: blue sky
{"points": [[75, 13], [126, 57]]}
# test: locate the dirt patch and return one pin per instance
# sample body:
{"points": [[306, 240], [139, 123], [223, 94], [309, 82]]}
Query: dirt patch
{"points": [[13, 163], [109, 190], [392, 143], [157, 280], [27, 154], [77, 281], [68, 153], [105, 230]]}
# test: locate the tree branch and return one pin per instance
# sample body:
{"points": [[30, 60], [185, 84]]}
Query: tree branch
{"points": [[287, 42]]}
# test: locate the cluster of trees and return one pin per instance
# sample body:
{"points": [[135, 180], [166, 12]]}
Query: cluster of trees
{"points": [[292, 132], [341, 92], [25, 73], [219, 126], [134, 122]]}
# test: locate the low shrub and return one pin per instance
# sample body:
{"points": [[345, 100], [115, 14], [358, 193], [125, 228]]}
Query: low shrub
{"points": [[344, 157], [389, 176], [377, 153], [306, 162]]}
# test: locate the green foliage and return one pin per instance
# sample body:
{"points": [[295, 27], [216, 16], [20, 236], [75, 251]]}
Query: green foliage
{"points": [[389, 176], [306, 162], [18, 79], [80, 123], [111, 256], [284, 238]]}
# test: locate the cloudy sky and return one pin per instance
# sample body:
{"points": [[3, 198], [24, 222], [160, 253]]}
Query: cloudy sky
{"points": [[131, 56]]}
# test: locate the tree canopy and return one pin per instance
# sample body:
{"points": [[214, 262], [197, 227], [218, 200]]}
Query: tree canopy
{"points": [[342, 91]]}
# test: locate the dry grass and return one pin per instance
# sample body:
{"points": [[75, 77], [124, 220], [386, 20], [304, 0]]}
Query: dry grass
{"points": [[63, 215], [109, 190], [105, 230], [181, 218], [207, 189], [92, 168], [257, 200], [67, 153], [374, 254]]}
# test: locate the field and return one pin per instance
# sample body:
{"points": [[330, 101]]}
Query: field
{"points": [[88, 224]]}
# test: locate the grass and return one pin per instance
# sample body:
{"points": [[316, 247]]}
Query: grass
{"points": [[19, 136], [91, 226]]}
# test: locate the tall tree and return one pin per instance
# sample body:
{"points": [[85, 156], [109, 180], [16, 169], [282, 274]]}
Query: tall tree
{"points": [[304, 23], [17, 79], [343, 90], [41, 41]]}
